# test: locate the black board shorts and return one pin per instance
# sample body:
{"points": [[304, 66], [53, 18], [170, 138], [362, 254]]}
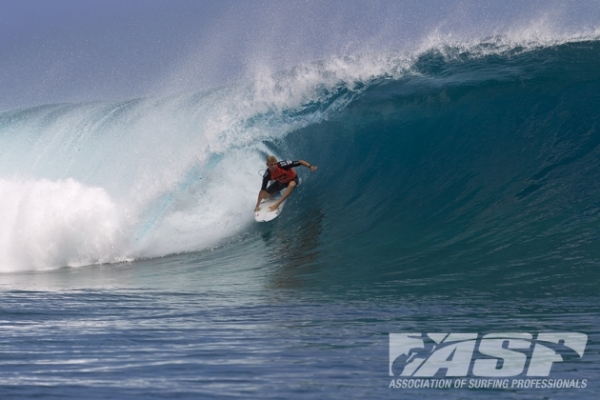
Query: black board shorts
{"points": [[278, 186]]}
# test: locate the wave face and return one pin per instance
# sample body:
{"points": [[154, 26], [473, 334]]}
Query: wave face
{"points": [[477, 158]]}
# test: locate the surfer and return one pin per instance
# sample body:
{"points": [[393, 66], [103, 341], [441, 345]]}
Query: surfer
{"points": [[284, 176]]}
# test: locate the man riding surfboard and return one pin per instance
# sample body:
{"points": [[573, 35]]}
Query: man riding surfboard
{"points": [[285, 178]]}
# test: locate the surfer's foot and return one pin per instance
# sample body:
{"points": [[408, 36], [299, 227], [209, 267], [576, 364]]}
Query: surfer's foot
{"points": [[274, 207]]}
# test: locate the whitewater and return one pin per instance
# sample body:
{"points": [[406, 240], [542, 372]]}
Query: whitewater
{"points": [[457, 191]]}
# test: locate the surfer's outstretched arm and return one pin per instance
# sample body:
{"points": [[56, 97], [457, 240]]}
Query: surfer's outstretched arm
{"points": [[306, 164]]}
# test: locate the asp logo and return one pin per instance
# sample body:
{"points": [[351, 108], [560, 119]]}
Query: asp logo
{"points": [[491, 355]]}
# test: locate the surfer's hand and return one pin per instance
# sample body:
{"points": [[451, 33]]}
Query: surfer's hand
{"points": [[313, 168]]}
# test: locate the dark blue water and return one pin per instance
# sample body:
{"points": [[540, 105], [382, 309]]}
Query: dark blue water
{"points": [[458, 192]]}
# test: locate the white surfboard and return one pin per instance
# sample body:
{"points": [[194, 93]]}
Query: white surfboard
{"points": [[264, 214]]}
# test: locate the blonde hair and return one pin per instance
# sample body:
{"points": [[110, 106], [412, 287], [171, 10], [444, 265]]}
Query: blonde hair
{"points": [[271, 159]]}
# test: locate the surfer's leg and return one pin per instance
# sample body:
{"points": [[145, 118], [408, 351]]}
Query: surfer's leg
{"points": [[265, 195], [262, 195], [269, 192], [274, 188], [290, 188]]}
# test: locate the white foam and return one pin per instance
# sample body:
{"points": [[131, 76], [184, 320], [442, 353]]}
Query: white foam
{"points": [[216, 209], [51, 224]]}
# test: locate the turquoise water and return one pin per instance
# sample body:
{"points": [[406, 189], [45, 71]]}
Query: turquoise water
{"points": [[457, 191]]}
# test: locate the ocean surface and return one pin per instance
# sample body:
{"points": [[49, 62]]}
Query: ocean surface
{"points": [[458, 191]]}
